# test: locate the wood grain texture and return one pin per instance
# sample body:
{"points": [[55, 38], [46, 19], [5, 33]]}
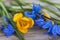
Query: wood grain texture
{"points": [[33, 34]]}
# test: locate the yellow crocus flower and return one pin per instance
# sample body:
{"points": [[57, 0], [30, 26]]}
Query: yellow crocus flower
{"points": [[17, 16], [23, 23], [47, 15]]}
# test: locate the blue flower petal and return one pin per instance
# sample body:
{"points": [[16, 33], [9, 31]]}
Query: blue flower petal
{"points": [[31, 15], [40, 22], [40, 16], [50, 30], [9, 26], [48, 24], [54, 30], [36, 8], [8, 30], [58, 30]]}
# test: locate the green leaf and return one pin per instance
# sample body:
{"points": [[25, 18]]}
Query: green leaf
{"points": [[50, 10], [3, 8], [16, 9], [58, 8], [55, 19], [0, 12], [47, 2], [0, 0], [51, 3], [58, 22], [20, 4], [19, 34], [24, 4]]}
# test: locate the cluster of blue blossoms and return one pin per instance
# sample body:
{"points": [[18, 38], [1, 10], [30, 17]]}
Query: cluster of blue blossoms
{"points": [[53, 29], [8, 29]]}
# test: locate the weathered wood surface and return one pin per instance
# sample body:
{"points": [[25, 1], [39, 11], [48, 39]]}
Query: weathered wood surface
{"points": [[34, 34]]}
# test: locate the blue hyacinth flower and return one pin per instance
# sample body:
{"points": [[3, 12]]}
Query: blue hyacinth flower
{"points": [[36, 8], [40, 22], [8, 30], [47, 24], [31, 15], [50, 30], [40, 16], [53, 30], [58, 30]]}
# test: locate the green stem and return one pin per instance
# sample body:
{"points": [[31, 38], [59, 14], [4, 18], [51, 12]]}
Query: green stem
{"points": [[11, 9], [51, 3], [19, 34], [0, 12], [4, 19], [18, 9], [58, 22], [3, 16], [24, 4], [3, 7], [20, 4], [55, 19]]}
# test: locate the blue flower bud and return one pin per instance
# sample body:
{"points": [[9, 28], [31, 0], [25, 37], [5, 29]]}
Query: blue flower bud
{"points": [[31, 15], [39, 16], [47, 24], [54, 29], [40, 22], [58, 30], [36, 8], [8, 30]]}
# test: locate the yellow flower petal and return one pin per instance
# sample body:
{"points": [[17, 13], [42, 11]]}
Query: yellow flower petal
{"points": [[17, 17], [47, 15], [29, 21], [26, 19], [21, 29], [52, 22], [18, 25], [24, 22]]}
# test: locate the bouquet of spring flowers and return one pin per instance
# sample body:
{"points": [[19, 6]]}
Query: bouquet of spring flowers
{"points": [[19, 20]]}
